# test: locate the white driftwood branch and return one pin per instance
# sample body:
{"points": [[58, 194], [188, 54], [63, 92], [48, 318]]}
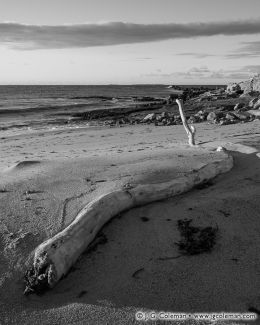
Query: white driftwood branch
{"points": [[54, 257], [190, 130]]}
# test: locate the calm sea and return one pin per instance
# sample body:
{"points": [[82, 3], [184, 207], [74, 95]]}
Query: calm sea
{"points": [[34, 107], [24, 97]]}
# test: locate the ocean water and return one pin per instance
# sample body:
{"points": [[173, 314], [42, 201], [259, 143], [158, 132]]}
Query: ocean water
{"points": [[35, 97], [35, 107]]}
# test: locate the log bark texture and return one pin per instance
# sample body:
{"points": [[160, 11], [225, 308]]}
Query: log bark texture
{"points": [[54, 257]]}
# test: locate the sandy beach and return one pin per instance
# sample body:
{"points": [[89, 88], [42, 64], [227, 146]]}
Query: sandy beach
{"points": [[134, 264], [129, 162]]}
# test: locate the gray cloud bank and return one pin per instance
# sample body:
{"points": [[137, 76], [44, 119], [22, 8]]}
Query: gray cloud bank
{"points": [[87, 35], [249, 49], [205, 73]]}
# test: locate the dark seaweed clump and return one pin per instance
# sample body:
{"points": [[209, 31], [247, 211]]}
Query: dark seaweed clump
{"points": [[35, 281], [195, 240]]}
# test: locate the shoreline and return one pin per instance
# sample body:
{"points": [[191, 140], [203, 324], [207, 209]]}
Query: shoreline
{"points": [[155, 111]]}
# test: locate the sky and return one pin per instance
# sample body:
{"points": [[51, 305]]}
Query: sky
{"points": [[129, 41]]}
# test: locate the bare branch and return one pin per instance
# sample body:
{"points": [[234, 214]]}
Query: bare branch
{"points": [[190, 130]]}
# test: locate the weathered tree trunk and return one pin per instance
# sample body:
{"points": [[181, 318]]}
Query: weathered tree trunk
{"points": [[190, 130], [54, 257]]}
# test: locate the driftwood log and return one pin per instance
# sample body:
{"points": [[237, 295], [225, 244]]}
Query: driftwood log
{"points": [[190, 130], [54, 257]]}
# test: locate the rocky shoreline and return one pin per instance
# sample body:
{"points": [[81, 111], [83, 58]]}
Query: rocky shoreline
{"points": [[220, 106]]}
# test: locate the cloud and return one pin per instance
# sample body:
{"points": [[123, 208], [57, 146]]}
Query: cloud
{"points": [[252, 68], [252, 47], [196, 55], [204, 73], [249, 49], [144, 59], [24, 36]]}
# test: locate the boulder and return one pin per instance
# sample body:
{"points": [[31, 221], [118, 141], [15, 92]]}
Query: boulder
{"points": [[242, 116], [246, 86], [253, 101], [224, 122], [233, 88], [164, 115], [201, 112], [225, 108], [239, 106], [230, 117], [149, 117], [257, 104], [250, 86], [201, 115], [256, 83], [212, 117], [192, 119], [137, 120], [255, 112], [170, 122], [234, 95], [215, 116], [177, 119]]}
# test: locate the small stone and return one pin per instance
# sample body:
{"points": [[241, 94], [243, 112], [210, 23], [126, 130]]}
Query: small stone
{"points": [[220, 148]]}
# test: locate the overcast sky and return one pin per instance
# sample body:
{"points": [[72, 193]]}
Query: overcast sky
{"points": [[126, 42]]}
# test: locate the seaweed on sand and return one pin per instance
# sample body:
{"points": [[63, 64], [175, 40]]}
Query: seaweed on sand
{"points": [[195, 240], [36, 281]]}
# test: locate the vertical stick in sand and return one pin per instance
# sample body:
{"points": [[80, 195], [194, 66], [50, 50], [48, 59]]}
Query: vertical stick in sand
{"points": [[190, 130]]}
